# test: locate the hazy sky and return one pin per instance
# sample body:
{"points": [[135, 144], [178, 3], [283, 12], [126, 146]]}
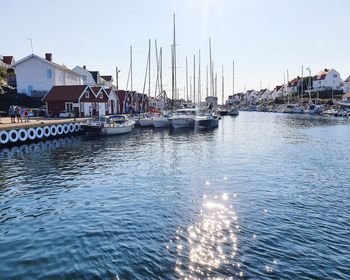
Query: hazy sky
{"points": [[264, 37]]}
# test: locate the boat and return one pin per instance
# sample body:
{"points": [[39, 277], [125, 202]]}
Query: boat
{"points": [[183, 118], [206, 120], [146, 121], [93, 126], [314, 109], [117, 124], [233, 112], [222, 111], [161, 121], [293, 109]]}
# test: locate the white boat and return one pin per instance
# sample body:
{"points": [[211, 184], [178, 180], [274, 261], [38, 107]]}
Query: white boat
{"points": [[183, 118], [206, 120], [161, 121], [145, 121], [233, 112], [293, 109], [115, 125], [314, 109]]}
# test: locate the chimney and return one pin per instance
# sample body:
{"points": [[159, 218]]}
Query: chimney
{"points": [[48, 56], [326, 70], [84, 66]]}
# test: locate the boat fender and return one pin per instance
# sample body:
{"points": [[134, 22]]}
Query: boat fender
{"points": [[59, 129], [53, 130], [4, 137], [65, 128], [76, 127], [13, 134], [22, 134], [31, 133], [47, 131], [71, 127], [39, 132]]}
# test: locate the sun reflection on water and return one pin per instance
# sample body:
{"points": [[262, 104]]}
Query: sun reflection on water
{"points": [[207, 248]]}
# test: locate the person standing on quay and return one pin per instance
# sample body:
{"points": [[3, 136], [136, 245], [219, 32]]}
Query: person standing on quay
{"points": [[12, 114], [26, 115], [18, 114]]}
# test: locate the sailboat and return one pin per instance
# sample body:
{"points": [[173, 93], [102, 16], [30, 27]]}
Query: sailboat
{"points": [[146, 119], [233, 111]]}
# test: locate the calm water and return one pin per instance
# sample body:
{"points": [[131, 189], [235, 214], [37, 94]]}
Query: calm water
{"points": [[263, 196]]}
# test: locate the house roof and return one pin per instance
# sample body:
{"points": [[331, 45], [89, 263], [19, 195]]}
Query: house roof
{"points": [[321, 75], [60, 67], [96, 89], [65, 93], [346, 95], [94, 75], [107, 78], [347, 80], [7, 59]]}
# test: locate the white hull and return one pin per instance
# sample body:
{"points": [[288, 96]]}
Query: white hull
{"points": [[116, 130], [179, 123], [146, 122], [161, 123]]}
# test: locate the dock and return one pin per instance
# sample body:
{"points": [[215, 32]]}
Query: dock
{"points": [[36, 129]]}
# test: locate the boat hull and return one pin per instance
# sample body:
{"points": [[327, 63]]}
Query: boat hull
{"points": [[180, 123], [90, 129], [145, 122], [161, 123], [116, 130], [210, 123]]}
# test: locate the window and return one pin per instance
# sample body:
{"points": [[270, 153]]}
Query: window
{"points": [[49, 74], [69, 106], [84, 78], [87, 94], [335, 76], [101, 95]]}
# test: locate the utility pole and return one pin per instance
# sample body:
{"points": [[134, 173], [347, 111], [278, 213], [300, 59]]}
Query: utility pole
{"points": [[117, 77]]}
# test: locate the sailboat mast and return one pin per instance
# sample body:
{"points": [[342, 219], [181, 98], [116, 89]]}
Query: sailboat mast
{"points": [[175, 83], [211, 70], [233, 77], [199, 78], [149, 68], [194, 78], [161, 69], [157, 61], [207, 82], [131, 67], [222, 86], [186, 79]]}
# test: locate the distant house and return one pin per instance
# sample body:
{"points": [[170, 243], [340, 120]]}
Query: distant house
{"points": [[86, 75], [6, 62], [35, 76], [328, 79], [113, 102], [346, 85], [346, 97], [277, 92], [108, 80], [84, 100]]}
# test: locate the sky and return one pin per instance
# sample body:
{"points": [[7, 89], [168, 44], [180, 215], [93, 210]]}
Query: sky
{"points": [[264, 38]]}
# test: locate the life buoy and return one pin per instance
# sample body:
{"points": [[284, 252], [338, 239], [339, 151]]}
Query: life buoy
{"points": [[76, 127], [39, 132], [65, 128], [4, 137], [31, 133], [71, 127], [47, 131], [22, 134], [53, 130], [59, 129], [13, 135]]}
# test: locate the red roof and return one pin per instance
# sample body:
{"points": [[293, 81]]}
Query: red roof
{"points": [[107, 78], [64, 93], [7, 59]]}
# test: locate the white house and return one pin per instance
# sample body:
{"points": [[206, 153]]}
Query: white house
{"points": [[86, 75], [35, 76], [328, 79], [113, 102], [346, 85], [277, 92]]}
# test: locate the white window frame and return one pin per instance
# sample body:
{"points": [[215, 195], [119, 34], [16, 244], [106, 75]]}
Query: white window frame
{"points": [[87, 94], [68, 106]]}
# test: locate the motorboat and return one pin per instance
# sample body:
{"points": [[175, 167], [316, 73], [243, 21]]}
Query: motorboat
{"points": [[223, 111], [293, 109], [233, 112], [117, 124], [93, 126], [314, 109], [183, 118], [161, 121], [206, 120], [146, 120]]}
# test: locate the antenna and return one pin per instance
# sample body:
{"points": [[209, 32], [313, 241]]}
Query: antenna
{"points": [[31, 44]]}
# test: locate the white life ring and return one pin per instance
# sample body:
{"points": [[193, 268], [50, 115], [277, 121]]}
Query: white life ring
{"points": [[65, 128], [47, 131], [71, 127], [31, 133], [39, 132], [59, 129], [22, 134], [53, 130], [76, 127], [4, 137], [13, 134]]}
